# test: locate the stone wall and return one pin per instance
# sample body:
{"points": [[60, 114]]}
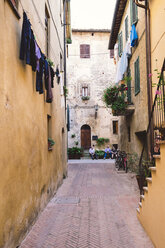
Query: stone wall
{"points": [[96, 73]]}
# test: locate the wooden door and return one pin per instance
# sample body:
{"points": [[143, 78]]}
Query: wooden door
{"points": [[85, 137]]}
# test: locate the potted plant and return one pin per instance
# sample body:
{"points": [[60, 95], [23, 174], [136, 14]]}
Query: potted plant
{"points": [[100, 154], [51, 143], [84, 98], [114, 97], [74, 152]]}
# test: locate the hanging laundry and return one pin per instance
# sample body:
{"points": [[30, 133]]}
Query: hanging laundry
{"points": [[46, 74], [33, 61], [39, 76], [25, 39], [38, 56], [49, 96], [58, 75], [133, 36], [52, 72], [128, 48]]}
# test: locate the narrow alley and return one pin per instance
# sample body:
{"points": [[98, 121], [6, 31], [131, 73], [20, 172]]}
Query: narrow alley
{"points": [[94, 207]]}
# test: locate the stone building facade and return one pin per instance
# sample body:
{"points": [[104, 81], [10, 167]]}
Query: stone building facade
{"points": [[90, 70], [30, 173]]}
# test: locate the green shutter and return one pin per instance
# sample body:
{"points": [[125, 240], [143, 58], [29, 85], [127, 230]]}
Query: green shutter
{"points": [[121, 34], [131, 19], [133, 12], [129, 86], [126, 28], [120, 43], [137, 76]]}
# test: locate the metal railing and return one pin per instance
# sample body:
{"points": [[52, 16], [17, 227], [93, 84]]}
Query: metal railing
{"points": [[157, 119]]}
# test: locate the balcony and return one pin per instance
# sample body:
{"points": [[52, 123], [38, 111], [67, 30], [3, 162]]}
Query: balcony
{"points": [[129, 110]]}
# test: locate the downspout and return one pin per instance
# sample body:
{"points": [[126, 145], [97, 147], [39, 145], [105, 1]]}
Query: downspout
{"points": [[64, 21], [66, 119], [148, 65]]}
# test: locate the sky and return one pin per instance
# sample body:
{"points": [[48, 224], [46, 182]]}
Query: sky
{"points": [[96, 14]]}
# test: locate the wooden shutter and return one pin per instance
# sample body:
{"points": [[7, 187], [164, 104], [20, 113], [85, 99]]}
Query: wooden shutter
{"points": [[111, 53], [87, 51], [84, 51], [120, 43], [137, 76], [133, 12], [129, 86], [126, 28]]}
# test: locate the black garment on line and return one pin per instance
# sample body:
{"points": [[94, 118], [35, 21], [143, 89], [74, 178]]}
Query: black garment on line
{"points": [[25, 39]]}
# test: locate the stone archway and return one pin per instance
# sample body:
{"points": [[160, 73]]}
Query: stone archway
{"points": [[85, 136]]}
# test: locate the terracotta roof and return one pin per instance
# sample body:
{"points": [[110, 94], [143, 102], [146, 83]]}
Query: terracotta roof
{"points": [[117, 17]]}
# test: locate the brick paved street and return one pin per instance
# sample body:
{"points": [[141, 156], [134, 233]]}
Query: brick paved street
{"points": [[94, 208]]}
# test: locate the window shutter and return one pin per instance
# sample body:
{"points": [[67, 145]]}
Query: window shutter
{"points": [[126, 28], [133, 12], [111, 53], [129, 86], [87, 51], [84, 51], [137, 76], [120, 45]]}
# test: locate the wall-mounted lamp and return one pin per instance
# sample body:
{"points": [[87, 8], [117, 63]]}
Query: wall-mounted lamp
{"points": [[96, 109]]}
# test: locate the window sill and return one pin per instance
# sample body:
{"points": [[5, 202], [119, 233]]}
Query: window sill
{"points": [[15, 10]]}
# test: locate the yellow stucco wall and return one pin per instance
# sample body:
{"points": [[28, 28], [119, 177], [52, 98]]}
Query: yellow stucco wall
{"points": [[157, 20], [139, 120], [152, 213], [30, 174]]}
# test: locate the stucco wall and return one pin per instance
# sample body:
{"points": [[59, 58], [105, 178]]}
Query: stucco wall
{"points": [[139, 119], [157, 19], [97, 72], [30, 174]]}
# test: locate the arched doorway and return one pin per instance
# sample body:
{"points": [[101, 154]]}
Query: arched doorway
{"points": [[85, 136]]}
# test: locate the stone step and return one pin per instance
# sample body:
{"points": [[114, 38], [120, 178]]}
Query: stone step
{"points": [[145, 189], [156, 156], [140, 204], [149, 179], [142, 197], [152, 168], [138, 210]]}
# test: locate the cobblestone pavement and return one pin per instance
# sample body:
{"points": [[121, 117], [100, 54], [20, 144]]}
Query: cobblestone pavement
{"points": [[94, 208]]}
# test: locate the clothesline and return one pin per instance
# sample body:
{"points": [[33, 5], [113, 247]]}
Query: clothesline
{"points": [[43, 28], [32, 53]]}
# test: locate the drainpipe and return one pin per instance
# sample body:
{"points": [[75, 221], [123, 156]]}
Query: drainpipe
{"points": [[64, 21], [148, 65], [66, 116]]}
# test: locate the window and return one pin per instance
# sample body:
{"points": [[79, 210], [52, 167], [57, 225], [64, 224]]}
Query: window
{"points": [[126, 28], [134, 12], [84, 51], [84, 91], [111, 53], [49, 133], [137, 76], [129, 86], [115, 127], [129, 134], [120, 43], [47, 28]]}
